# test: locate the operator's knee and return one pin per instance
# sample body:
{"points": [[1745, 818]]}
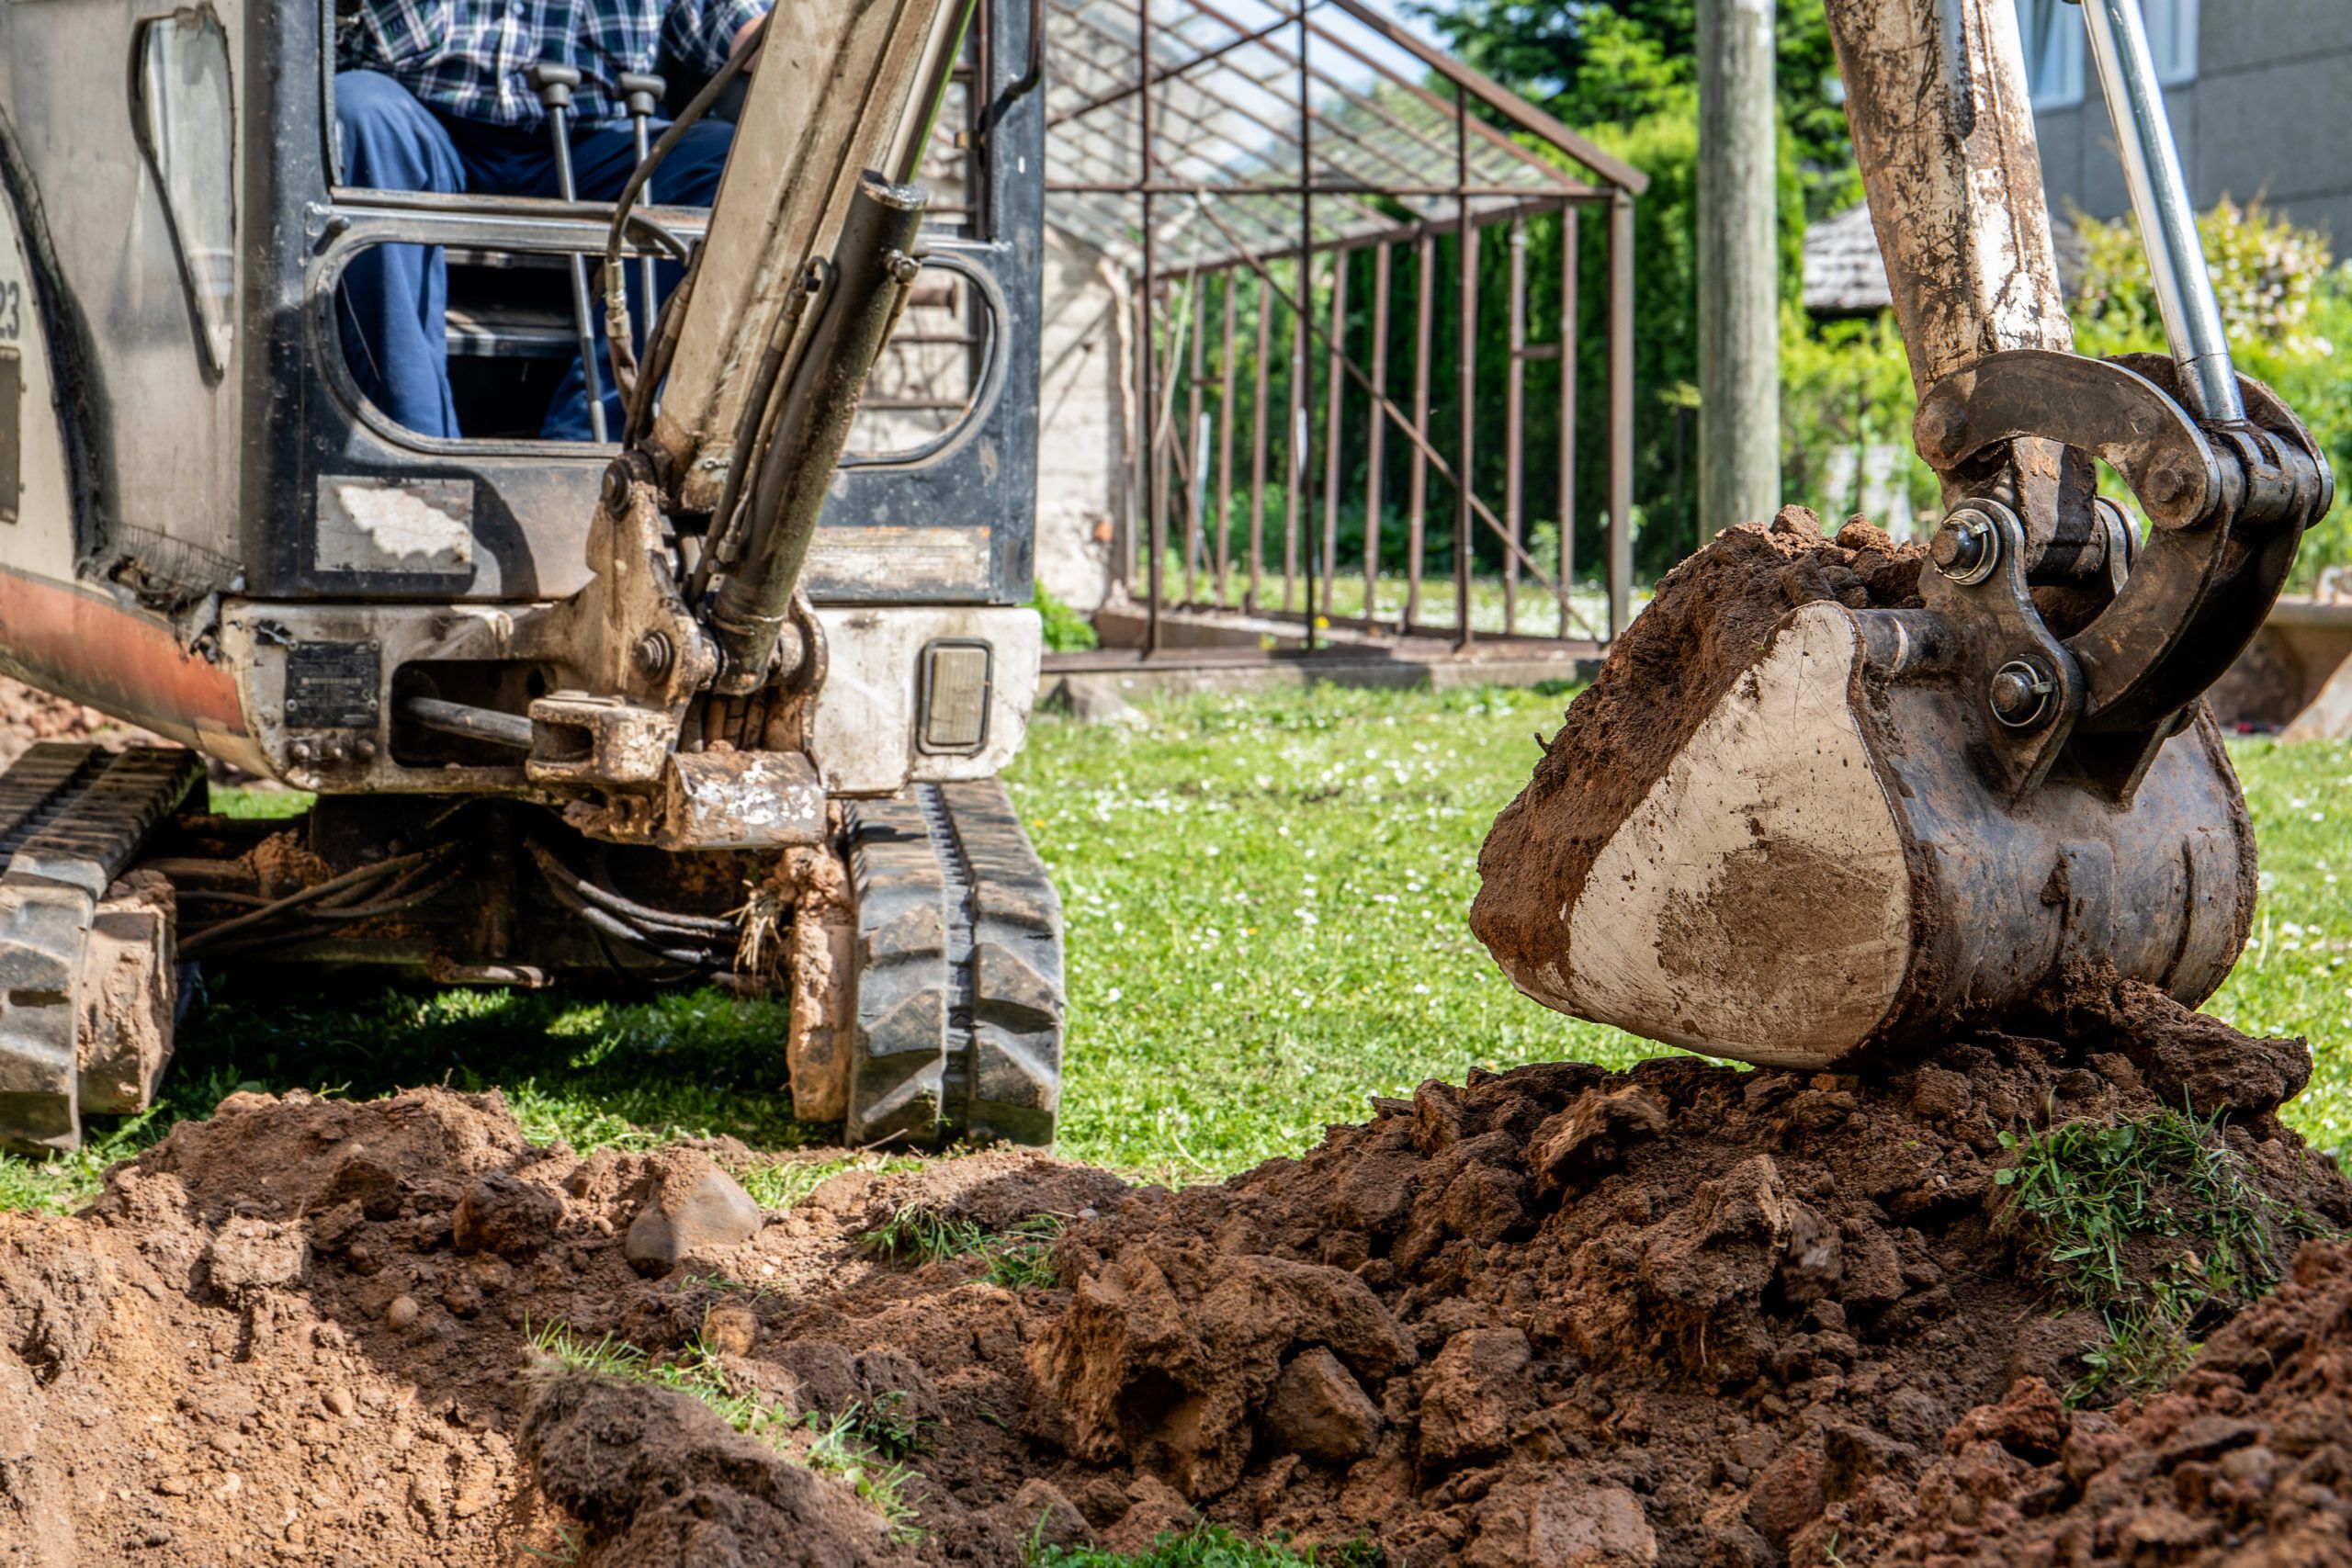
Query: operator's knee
{"points": [[689, 175], [389, 141]]}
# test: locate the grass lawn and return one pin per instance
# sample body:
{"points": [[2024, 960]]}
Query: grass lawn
{"points": [[1267, 900]]}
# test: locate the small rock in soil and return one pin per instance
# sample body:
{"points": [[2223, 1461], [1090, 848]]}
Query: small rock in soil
{"points": [[501, 1212], [695, 1207], [1319, 1411]]}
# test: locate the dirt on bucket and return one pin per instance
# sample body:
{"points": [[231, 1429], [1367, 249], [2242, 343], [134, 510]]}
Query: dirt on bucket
{"points": [[1683, 1315], [1711, 618]]}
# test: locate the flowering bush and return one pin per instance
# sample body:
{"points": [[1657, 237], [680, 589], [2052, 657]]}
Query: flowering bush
{"points": [[2286, 304]]}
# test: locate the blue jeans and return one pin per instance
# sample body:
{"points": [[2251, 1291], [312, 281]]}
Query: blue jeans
{"points": [[394, 297]]}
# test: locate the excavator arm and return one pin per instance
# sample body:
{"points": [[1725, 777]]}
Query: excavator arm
{"points": [[1883, 820], [689, 664]]}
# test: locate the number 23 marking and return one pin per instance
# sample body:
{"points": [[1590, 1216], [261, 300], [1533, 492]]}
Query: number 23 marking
{"points": [[12, 297]]}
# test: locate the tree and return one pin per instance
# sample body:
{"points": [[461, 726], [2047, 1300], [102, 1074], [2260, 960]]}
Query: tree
{"points": [[1616, 63]]}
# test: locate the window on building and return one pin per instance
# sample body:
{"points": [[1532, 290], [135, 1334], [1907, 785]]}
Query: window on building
{"points": [[2055, 50], [2172, 39]]}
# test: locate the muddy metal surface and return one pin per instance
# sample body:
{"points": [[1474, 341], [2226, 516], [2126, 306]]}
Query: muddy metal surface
{"points": [[1713, 617], [1681, 1314]]}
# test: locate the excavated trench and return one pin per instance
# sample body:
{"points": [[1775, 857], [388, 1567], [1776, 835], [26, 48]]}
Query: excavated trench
{"points": [[1682, 1315]]}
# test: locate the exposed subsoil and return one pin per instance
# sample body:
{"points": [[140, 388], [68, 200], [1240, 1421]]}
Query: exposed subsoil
{"points": [[27, 715], [1683, 1315]]}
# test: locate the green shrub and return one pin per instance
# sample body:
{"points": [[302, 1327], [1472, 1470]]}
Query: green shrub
{"points": [[2286, 304], [1067, 630]]}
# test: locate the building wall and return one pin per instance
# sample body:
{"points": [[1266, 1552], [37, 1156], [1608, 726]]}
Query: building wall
{"points": [[2268, 114], [1082, 421]]}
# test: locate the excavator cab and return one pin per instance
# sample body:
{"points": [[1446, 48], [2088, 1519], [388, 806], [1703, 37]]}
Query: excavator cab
{"points": [[725, 694]]}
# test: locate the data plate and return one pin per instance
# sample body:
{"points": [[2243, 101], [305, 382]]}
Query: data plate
{"points": [[333, 685]]}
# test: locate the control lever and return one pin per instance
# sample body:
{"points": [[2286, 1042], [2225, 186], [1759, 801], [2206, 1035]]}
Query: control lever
{"points": [[554, 85], [642, 94]]}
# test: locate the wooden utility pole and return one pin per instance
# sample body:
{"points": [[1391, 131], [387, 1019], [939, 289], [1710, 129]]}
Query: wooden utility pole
{"points": [[1739, 361]]}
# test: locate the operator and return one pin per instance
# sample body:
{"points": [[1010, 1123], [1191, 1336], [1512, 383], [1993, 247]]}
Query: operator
{"points": [[431, 96]]}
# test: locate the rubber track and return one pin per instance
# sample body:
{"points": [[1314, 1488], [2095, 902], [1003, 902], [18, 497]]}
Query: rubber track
{"points": [[960, 999], [71, 818]]}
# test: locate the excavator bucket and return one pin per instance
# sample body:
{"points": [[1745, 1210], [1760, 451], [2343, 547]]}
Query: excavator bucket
{"points": [[1833, 797], [1763, 836]]}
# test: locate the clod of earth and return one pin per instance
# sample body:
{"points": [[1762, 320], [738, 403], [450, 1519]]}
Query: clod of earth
{"points": [[694, 1207], [1679, 1315]]}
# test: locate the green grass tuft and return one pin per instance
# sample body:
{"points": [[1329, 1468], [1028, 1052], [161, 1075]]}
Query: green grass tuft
{"points": [[2157, 1226], [694, 1371], [916, 1234], [1211, 1546], [886, 1486], [1014, 1257], [885, 1425], [1023, 1256]]}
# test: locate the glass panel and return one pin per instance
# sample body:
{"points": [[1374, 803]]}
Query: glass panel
{"points": [[2052, 33], [188, 125], [2172, 39]]}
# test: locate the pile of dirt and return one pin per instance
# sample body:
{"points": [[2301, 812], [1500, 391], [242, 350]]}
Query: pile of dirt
{"points": [[27, 715], [1709, 623], [2248, 1455], [1682, 1315]]}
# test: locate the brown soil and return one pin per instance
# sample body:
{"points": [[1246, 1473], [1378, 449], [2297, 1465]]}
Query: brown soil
{"points": [[1709, 622], [2246, 1459], [1683, 1315], [27, 715]]}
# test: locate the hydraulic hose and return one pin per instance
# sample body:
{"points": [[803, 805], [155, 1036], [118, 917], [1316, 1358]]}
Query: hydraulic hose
{"points": [[873, 267]]}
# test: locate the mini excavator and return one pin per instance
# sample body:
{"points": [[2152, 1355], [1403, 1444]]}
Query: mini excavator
{"points": [[566, 708], [1897, 821], [724, 693]]}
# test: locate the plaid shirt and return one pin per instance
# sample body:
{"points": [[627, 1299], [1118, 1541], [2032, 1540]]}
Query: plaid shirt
{"points": [[467, 58]]}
